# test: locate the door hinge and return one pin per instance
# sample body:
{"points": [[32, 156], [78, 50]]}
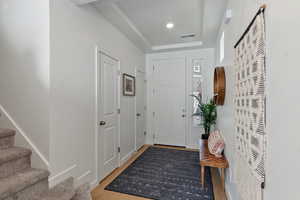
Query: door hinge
{"points": [[119, 150], [145, 133], [119, 111]]}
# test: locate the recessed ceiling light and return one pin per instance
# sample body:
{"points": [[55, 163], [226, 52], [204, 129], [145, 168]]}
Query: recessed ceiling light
{"points": [[170, 25]]}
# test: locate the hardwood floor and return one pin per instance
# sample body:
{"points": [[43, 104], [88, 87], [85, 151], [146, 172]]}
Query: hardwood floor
{"points": [[100, 194]]}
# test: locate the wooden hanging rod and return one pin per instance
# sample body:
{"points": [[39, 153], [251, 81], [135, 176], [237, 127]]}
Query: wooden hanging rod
{"points": [[264, 6], [261, 10]]}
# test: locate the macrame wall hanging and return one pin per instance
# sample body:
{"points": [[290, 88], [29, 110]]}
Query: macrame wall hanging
{"points": [[250, 101]]}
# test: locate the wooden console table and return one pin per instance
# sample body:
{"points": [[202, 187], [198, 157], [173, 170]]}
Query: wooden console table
{"points": [[209, 160]]}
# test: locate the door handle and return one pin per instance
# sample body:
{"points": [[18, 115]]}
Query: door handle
{"points": [[138, 114], [183, 116], [102, 123]]}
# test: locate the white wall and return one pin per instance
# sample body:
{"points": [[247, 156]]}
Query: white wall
{"points": [[283, 164], [243, 12], [24, 71], [207, 57], [75, 32]]}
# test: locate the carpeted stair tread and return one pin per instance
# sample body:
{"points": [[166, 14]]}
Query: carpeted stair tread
{"points": [[6, 132], [13, 153], [82, 193], [63, 191], [58, 196], [18, 181], [21, 180], [7, 138]]}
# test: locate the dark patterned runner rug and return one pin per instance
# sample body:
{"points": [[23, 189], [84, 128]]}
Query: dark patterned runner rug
{"points": [[164, 174]]}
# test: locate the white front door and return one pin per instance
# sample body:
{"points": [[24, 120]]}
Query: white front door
{"points": [[169, 94], [140, 137], [108, 114]]}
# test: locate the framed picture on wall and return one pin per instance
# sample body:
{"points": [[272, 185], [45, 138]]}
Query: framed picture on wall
{"points": [[128, 85]]}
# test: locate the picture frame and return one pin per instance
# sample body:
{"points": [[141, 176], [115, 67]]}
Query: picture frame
{"points": [[128, 85]]}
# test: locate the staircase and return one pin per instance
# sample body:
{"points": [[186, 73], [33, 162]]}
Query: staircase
{"points": [[19, 181]]}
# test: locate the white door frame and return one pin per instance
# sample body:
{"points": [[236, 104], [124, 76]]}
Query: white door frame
{"points": [[98, 51], [208, 57], [137, 69]]}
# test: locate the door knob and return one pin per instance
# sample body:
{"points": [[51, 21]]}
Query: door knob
{"points": [[183, 116], [138, 114], [102, 123]]}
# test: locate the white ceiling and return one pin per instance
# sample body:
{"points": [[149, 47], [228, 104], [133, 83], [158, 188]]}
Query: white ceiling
{"points": [[144, 21], [151, 17]]}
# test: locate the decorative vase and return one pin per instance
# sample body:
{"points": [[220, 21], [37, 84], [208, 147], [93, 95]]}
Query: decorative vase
{"points": [[206, 135]]}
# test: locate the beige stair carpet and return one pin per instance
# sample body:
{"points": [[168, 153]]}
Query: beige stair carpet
{"points": [[19, 181]]}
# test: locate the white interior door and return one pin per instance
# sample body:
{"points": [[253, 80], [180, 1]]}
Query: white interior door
{"points": [[170, 101], [140, 136], [108, 114]]}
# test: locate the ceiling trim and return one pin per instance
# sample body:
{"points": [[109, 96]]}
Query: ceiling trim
{"points": [[108, 1], [83, 2], [114, 13], [118, 10], [177, 46]]}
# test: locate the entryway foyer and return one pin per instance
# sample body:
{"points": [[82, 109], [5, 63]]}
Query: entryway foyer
{"points": [[140, 99]]}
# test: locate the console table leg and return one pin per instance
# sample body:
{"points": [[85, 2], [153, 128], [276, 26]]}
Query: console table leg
{"points": [[202, 175], [223, 177]]}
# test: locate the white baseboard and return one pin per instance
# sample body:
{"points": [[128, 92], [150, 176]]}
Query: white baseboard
{"points": [[227, 192], [127, 157], [193, 146], [84, 178], [25, 137], [61, 176]]}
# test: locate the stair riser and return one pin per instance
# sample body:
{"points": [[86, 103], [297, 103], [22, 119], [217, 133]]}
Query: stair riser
{"points": [[14, 166], [7, 142], [31, 192]]}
